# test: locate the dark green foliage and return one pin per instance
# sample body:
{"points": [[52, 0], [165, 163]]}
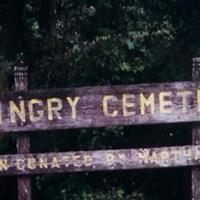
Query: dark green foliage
{"points": [[77, 43]]}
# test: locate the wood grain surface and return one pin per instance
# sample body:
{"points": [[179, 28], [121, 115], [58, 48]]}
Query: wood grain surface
{"points": [[101, 160], [99, 106]]}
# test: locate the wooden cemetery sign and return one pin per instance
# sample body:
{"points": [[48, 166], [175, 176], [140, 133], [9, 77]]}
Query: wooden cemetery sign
{"points": [[23, 111], [99, 106], [22, 164]]}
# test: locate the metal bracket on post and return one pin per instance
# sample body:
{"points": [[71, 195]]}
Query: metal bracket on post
{"points": [[196, 135], [23, 140]]}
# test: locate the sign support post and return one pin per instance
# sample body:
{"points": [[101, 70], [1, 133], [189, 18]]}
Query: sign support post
{"points": [[23, 140], [196, 135]]}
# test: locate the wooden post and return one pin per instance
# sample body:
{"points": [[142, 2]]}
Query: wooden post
{"points": [[23, 140], [196, 135]]}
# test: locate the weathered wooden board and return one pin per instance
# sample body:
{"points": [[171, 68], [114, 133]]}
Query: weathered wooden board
{"points": [[100, 160], [100, 106]]}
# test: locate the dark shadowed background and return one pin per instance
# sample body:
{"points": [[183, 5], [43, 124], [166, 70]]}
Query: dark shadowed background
{"points": [[102, 42]]}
